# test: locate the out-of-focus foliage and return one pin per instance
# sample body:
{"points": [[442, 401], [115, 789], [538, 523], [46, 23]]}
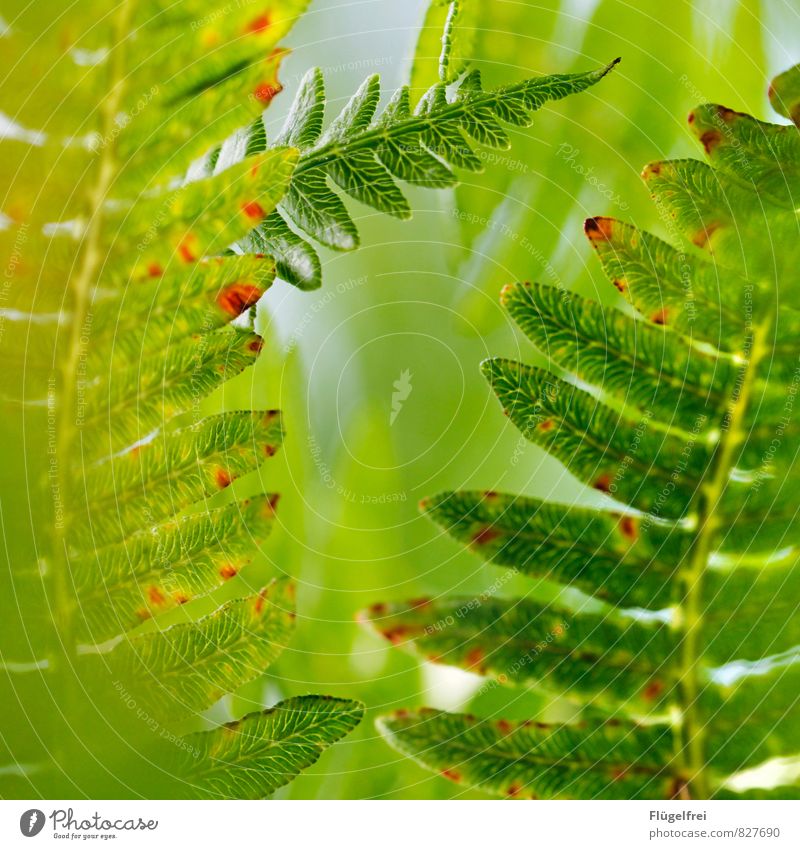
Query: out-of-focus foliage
{"points": [[349, 528], [124, 310], [684, 647]]}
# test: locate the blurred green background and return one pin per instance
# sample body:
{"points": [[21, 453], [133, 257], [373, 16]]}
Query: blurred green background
{"points": [[421, 297]]}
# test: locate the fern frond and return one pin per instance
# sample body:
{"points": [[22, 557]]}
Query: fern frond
{"points": [[120, 285], [364, 153], [682, 412]]}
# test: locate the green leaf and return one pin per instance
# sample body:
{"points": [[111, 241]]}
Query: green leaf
{"points": [[636, 363], [253, 757], [155, 570], [185, 668], [587, 656], [172, 471], [145, 211], [524, 760], [602, 553], [653, 471]]}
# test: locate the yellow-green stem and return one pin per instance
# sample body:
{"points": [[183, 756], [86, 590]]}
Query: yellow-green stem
{"points": [[711, 490]]}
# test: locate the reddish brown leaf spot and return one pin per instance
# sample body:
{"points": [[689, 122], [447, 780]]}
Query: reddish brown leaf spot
{"points": [[504, 726], [653, 690], [660, 316], [396, 635], [155, 596], [490, 495], [222, 478], [270, 450], [401, 714], [270, 416], [261, 599], [629, 528], [264, 92], [180, 598], [228, 571], [143, 613], [271, 505], [710, 139], [703, 236], [451, 775], [603, 483], [502, 678], [238, 297], [729, 115], [379, 609], [485, 535], [417, 603], [621, 284], [256, 345], [652, 170], [474, 657], [514, 790], [546, 425], [187, 249], [259, 24], [600, 229], [619, 773], [253, 210], [154, 270]]}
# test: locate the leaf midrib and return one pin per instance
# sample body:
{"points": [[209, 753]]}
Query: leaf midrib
{"points": [[691, 732], [80, 285]]}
